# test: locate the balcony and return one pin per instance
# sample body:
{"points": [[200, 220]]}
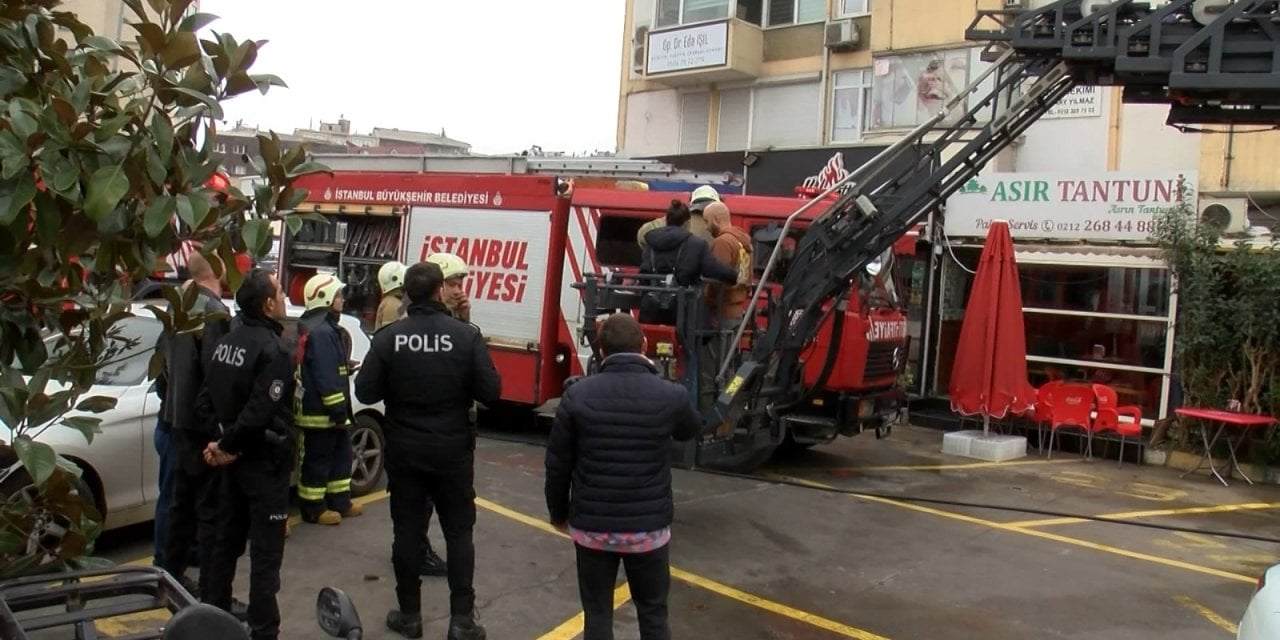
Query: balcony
{"points": [[703, 53]]}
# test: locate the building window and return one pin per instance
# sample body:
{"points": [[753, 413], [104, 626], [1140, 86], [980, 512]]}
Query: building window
{"points": [[672, 12], [850, 103], [695, 122], [854, 7], [734, 131], [787, 12], [909, 89], [786, 115]]}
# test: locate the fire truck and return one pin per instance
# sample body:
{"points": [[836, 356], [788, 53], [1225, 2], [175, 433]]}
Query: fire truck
{"points": [[531, 241], [817, 353]]}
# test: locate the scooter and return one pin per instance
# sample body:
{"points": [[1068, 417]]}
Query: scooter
{"points": [[74, 600]]}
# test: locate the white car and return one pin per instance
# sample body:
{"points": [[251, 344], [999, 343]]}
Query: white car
{"points": [[1261, 619], [121, 467]]}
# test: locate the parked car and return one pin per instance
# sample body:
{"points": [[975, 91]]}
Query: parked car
{"points": [[1261, 619], [121, 466]]}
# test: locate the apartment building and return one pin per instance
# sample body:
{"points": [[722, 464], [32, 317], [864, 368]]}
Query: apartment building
{"points": [[771, 90]]}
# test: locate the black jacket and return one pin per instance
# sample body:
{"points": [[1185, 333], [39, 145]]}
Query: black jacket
{"points": [[675, 250], [186, 358], [322, 372], [248, 393], [428, 369], [608, 459]]}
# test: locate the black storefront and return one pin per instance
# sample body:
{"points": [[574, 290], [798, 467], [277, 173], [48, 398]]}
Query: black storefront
{"points": [[772, 173]]}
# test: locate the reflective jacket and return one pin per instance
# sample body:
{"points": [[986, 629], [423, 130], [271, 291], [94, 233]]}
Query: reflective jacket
{"points": [[321, 399], [247, 392], [389, 310]]}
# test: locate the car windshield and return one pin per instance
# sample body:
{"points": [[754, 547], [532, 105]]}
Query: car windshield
{"points": [[127, 355], [883, 287]]}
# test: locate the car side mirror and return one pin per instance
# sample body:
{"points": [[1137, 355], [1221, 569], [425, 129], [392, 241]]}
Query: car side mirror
{"points": [[336, 614]]}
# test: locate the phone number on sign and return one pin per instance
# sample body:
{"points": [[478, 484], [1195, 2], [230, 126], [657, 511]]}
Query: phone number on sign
{"points": [[1095, 226]]}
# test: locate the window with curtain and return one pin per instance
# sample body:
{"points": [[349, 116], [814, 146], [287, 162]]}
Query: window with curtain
{"points": [[850, 101], [786, 12]]}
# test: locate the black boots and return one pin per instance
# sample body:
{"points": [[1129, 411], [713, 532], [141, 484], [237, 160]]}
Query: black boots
{"points": [[465, 627], [408, 625], [432, 564]]}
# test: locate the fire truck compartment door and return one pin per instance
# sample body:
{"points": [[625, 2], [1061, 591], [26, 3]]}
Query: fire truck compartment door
{"points": [[506, 252]]}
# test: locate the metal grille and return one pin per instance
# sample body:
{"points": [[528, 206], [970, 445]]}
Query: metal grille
{"points": [[879, 360]]}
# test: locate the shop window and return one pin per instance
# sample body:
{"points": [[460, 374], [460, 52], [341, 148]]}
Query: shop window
{"points": [[616, 241], [1110, 290], [910, 89], [850, 104]]}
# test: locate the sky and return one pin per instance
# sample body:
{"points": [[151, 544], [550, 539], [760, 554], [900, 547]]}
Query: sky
{"points": [[502, 75]]}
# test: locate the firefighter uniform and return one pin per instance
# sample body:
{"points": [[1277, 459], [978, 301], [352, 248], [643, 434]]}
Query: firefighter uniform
{"points": [[391, 308], [323, 408], [247, 395], [428, 369]]}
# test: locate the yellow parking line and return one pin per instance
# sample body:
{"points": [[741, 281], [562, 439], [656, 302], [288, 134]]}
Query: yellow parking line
{"points": [[1207, 614], [944, 467], [708, 584], [1177, 564], [1129, 515], [573, 627]]}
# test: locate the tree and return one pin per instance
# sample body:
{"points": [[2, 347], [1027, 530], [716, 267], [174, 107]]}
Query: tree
{"points": [[105, 151], [1227, 346]]}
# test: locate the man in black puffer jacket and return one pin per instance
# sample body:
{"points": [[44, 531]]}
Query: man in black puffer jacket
{"points": [[611, 444]]}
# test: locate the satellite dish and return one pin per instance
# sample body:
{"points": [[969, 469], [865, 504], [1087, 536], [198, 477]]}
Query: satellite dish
{"points": [[1206, 11]]}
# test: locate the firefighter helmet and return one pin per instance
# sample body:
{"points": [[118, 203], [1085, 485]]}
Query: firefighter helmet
{"points": [[321, 290], [391, 276], [450, 265], [703, 196]]}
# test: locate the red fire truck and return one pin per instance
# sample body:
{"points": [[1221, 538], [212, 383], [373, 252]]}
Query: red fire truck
{"points": [[532, 241]]}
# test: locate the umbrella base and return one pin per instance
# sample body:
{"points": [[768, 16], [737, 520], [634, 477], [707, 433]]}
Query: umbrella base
{"points": [[991, 448]]}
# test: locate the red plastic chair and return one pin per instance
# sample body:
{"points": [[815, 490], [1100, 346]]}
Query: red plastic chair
{"points": [[1109, 414], [1040, 413], [1070, 406]]}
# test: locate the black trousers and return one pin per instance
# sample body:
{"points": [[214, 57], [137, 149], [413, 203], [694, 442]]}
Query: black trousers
{"points": [[411, 487], [648, 578], [193, 520], [325, 482], [254, 510]]}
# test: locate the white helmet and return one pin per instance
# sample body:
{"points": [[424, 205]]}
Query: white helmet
{"points": [[321, 290], [391, 276]]}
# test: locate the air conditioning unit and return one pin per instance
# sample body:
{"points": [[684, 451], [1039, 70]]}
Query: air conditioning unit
{"points": [[1229, 215], [842, 35], [639, 49]]}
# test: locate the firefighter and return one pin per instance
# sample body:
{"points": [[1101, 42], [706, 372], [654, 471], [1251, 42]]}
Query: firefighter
{"points": [[428, 369], [246, 399], [697, 225], [455, 273], [322, 407], [391, 308]]}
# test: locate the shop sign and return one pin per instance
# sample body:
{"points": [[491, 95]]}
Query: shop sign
{"points": [[1103, 206], [682, 49], [1081, 102]]}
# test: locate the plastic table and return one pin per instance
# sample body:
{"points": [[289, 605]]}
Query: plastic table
{"points": [[1242, 421]]}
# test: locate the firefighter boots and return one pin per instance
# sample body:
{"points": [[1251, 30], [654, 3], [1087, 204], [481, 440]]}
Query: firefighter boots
{"points": [[353, 511], [408, 625], [327, 517], [465, 627]]}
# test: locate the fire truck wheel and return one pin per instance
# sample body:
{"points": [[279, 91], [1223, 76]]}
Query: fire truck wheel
{"points": [[789, 444], [367, 446], [742, 462]]}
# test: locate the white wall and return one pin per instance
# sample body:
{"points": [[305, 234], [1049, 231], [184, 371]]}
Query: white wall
{"points": [[653, 124], [1146, 142], [1067, 144]]}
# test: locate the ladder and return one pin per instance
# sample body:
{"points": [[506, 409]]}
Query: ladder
{"points": [[1225, 71]]}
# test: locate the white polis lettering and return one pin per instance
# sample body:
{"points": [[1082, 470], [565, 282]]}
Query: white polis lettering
{"points": [[424, 343], [228, 354]]}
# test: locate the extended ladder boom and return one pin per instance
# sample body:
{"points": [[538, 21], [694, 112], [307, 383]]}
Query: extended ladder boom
{"points": [[1225, 71]]}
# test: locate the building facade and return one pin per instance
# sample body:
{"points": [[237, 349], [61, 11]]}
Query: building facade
{"points": [[751, 83]]}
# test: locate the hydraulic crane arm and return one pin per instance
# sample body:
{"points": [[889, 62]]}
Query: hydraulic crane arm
{"points": [[1222, 71]]}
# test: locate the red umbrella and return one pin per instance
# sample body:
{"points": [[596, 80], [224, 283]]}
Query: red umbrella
{"points": [[989, 377]]}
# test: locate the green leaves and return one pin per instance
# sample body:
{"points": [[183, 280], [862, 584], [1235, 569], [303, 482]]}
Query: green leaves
{"points": [[159, 214], [257, 235], [15, 194], [107, 186], [37, 457]]}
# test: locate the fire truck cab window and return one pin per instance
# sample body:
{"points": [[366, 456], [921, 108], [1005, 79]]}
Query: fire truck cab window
{"points": [[764, 237], [616, 241]]}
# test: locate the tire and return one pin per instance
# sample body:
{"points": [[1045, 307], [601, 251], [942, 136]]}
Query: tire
{"points": [[368, 446], [746, 462]]}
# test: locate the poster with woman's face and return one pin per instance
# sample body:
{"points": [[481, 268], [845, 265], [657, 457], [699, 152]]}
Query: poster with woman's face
{"points": [[911, 89]]}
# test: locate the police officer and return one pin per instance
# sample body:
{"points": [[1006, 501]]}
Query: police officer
{"points": [[391, 307], [247, 395], [193, 497], [323, 408], [428, 369]]}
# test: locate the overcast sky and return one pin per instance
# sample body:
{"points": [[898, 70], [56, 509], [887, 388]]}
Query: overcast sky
{"points": [[500, 74]]}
